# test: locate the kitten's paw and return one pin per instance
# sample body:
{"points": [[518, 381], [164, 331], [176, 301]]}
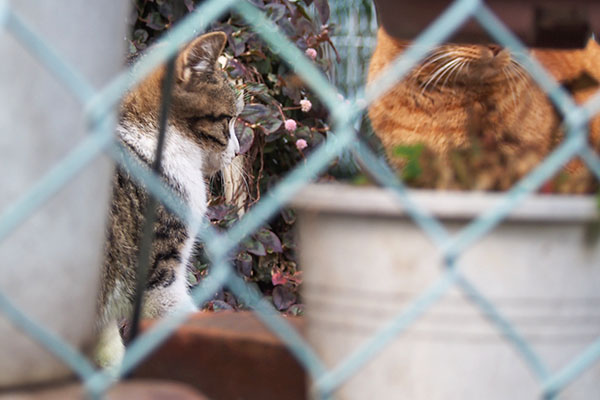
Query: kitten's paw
{"points": [[110, 349]]}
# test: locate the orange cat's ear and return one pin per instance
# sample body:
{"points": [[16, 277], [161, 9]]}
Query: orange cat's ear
{"points": [[200, 56], [592, 44], [592, 59]]}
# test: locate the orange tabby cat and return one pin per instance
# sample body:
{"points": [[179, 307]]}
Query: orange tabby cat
{"points": [[483, 122], [579, 72]]}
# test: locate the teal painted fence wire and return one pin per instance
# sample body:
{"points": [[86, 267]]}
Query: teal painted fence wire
{"points": [[99, 105]]}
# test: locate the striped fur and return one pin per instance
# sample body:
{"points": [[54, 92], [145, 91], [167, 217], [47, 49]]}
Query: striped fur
{"points": [[200, 140], [465, 96]]}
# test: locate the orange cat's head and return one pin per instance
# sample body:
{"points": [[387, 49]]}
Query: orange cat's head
{"points": [[466, 64], [452, 65]]}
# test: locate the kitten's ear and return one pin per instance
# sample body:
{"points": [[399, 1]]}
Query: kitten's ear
{"points": [[200, 56]]}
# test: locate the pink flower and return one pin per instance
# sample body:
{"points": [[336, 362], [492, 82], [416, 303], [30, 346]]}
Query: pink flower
{"points": [[311, 53], [290, 125], [301, 144], [305, 105]]}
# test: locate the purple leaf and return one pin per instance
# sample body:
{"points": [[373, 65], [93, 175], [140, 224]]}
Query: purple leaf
{"points": [[322, 7], [166, 10], [303, 26], [243, 263], [256, 88], [270, 241], [254, 247], [263, 270], [286, 26], [271, 125], [238, 45], [289, 239], [275, 11], [236, 68], [140, 36], [189, 4], [254, 113], [155, 21], [218, 212], [302, 11], [271, 137], [289, 216], [283, 297], [245, 136]]}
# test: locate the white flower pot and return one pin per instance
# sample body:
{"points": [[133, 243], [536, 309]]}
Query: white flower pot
{"points": [[365, 260]]}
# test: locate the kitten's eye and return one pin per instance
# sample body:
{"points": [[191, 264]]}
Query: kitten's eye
{"points": [[194, 120], [217, 118], [210, 118]]}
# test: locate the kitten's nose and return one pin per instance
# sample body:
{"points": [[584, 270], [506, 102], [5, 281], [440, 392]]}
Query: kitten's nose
{"points": [[495, 49]]}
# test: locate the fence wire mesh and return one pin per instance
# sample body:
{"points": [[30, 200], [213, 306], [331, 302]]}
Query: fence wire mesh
{"points": [[99, 103]]}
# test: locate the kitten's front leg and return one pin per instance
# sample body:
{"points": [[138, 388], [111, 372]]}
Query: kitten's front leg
{"points": [[166, 297], [109, 349]]}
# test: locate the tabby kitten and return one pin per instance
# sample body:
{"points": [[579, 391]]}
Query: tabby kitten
{"points": [[200, 140], [482, 120]]}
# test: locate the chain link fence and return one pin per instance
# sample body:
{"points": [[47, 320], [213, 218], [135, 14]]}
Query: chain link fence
{"points": [[98, 103], [355, 38]]}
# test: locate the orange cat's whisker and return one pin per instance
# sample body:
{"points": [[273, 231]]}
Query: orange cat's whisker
{"points": [[454, 70], [434, 57], [511, 83], [460, 68], [519, 71], [518, 68], [439, 73]]}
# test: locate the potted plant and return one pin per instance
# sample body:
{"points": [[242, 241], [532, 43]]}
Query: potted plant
{"points": [[395, 313]]}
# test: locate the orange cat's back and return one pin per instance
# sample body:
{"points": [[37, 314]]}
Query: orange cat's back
{"points": [[579, 71]]}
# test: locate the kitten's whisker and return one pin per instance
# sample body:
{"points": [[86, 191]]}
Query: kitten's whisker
{"points": [[242, 173]]}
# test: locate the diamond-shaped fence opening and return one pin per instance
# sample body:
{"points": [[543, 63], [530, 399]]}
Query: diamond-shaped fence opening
{"points": [[98, 105], [355, 39]]}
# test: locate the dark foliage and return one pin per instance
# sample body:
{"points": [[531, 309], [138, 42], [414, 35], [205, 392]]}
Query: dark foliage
{"points": [[280, 125]]}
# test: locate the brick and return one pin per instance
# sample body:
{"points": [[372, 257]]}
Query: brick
{"points": [[228, 355], [127, 390]]}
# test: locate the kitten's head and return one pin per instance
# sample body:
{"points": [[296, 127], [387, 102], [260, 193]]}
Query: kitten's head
{"points": [[204, 104]]}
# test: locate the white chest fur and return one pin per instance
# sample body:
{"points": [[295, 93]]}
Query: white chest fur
{"points": [[182, 162]]}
